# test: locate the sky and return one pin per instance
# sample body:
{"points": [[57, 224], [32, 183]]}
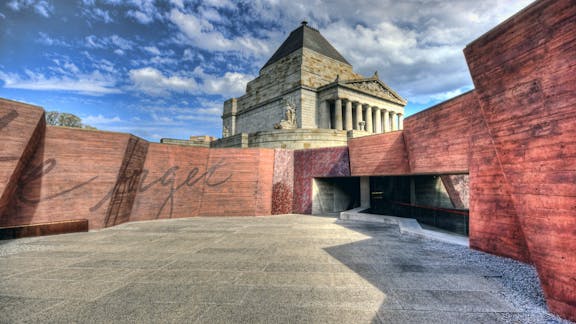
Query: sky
{"points": [[162, 69]]}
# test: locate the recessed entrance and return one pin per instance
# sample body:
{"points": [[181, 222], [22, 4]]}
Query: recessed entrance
{"points": [[437, 201], [333, 195]]}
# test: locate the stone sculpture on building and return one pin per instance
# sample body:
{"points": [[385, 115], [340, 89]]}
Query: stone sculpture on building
{"points": [[289, 121], [307, 95]]}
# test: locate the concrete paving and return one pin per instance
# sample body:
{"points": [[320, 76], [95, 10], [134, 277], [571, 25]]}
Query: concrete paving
{"points": [[276, 269]]}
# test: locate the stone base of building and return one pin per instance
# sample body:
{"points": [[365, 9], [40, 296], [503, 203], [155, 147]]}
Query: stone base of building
{"points": [[286, 138], [200, 141]]}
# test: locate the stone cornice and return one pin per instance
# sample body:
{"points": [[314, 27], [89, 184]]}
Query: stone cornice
{"points": [[393, 97]]}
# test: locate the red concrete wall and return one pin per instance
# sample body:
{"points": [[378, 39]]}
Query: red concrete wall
{"points": [[437, 139], [314, 163], [383, 154], [525, 76], [172, 182], [72, 172], [283, 183], [494, 225], [183, 181], [21, 129], [243, 184], [111, 178]]}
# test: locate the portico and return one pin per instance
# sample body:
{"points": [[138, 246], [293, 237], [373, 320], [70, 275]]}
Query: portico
{"points": [[347, 114]]}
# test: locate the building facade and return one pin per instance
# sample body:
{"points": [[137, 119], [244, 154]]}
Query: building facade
{"points": [[307, 85]]}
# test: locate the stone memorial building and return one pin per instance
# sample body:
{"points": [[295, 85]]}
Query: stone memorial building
{"points": [[307, 95]]}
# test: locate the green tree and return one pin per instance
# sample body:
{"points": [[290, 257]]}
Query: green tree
{"points": [[55, 118], [52, 118]]}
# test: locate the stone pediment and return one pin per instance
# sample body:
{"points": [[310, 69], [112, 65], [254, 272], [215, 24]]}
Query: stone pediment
{"points": [[376, 88]]}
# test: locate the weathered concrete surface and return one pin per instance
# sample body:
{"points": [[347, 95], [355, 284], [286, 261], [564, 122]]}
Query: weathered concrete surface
{"points": [[287, 268]]}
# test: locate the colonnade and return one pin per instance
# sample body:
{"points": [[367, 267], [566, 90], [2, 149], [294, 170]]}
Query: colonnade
{"points": [[343, 114]]}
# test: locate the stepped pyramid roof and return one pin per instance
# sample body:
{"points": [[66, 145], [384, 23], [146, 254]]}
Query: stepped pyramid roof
{"points": [[308, 37]]}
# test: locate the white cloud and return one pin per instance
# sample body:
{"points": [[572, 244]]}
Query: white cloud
{"points": [[90, 84], [99, 14], [202, 34], [209, 107], [122, 43], [219, 4], [177, 3], [144, 11], [152, 82], [229, 85], [140, 16], [100, 120], [152, 50], [116, 41], [45, 39], [216, 111], [71, 68], [104, 65], [41, 7]]}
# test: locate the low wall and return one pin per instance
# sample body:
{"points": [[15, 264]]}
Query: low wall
{"points": [[286, 139], [238, 140], [298, 138], [382, 154], [110, 178]]}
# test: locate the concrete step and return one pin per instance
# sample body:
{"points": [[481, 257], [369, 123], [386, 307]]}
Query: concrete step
{"points": [[406, 225]]}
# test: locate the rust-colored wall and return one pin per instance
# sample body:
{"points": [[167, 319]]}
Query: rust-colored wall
{"points": [[383, 154], [172, 182], [246, 177], [183, 181], [313, 163], [110, 178], [120, 199], [21, 129], [283, 185], [71, 172], [437, 139], [525, 76], [494, 225]]}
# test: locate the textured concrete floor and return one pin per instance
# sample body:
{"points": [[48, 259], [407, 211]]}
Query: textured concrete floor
{"points": [[289, 268]]}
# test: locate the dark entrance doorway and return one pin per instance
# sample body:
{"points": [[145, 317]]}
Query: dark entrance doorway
{"points": [[332, 195], [438, 201]]}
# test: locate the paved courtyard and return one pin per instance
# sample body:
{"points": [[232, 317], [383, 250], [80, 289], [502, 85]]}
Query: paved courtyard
{"points": [[274, 269]]}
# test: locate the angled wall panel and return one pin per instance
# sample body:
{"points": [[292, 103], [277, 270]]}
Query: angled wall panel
{"points": [[22, 127]]}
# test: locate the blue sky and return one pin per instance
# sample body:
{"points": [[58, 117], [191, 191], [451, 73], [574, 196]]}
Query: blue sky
{"points": [[163, 68]]}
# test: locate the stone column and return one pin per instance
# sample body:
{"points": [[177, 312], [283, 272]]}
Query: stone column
{"points": [[323, 115], [400, 121], [377, 120], [338, 114], [349, 124], [386, 121], [394, 123], [358, 115], [369, 119]]}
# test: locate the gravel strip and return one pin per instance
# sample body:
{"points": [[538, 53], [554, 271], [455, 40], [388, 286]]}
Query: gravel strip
{"points": [[519, 282]]}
